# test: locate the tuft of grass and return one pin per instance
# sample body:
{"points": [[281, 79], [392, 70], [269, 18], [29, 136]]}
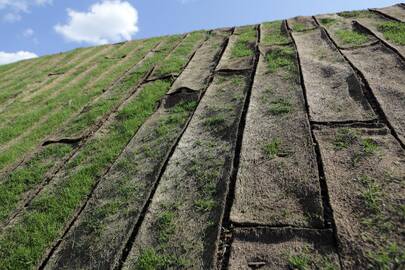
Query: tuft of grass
{"points": [[281, 58], [344, 138], [300, 262], [204, 205], [393, 31], [390, 257], [149, 259], [355, 14], [327, 21], [215, 120], [273, 149], [165, 225], [352, 37], [369, 146], [242, 47], [299, 27], [372, 195], [275, 36], [280, 106]]}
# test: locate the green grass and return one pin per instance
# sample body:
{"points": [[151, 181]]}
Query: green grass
{"points": [[355, 14], [390, 257], [28, 176], [23, 79], [180, 56], [327, 21], [274, 149], [372, 194], [243, 45], [273, 34], [281, 58], [61, 114], [280, 106], [22, 245], [299, 27], [215, 120], [352, 37], [300, 262], [345, 138], [393, 31], [369, 146]]}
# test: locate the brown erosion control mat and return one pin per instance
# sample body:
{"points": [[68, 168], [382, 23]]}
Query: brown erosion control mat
{"points": [[283, 248], [396, 11], [333, 90], [385, 73], [243, 40], [277, 181], [345, 34], [300, 24], [364, 170], [182, 220], [102, 228], [375, 23]]}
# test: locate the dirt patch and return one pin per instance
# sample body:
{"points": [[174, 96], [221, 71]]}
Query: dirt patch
{"points": [[395, 11], [283, 248], [302, 23], [277, 182], [181, 226], [388, 87], [364, 170], [239, 54], [344, 32], [333, 90]]}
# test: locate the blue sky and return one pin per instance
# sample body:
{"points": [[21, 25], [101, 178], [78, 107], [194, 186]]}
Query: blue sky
{"points": [[47, 26]]}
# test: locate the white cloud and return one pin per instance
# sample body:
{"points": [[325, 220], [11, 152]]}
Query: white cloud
{"points": [[14, 8], [12, 17], [28, 32], [107, 21], [6, 58]]}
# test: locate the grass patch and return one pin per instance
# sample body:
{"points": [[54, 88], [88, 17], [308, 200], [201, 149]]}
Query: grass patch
{"points": [[393, 31], [242, 46], [372, 195], [390, 257], [352, 37], [280, 107], [215, 120], [299, 27], [22, 245], [281, 58], [369, 146], [275, 35], [300, 262], [344, 138], [274, 149], [204, 205], [355, 14], [327, 21], [26, 177]]}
